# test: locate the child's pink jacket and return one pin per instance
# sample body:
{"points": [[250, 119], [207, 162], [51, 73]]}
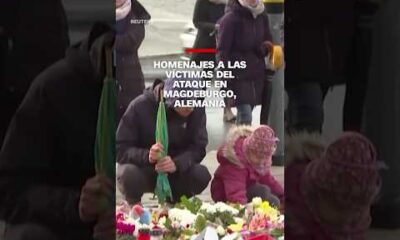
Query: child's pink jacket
{"points": [[300, 222], [235, 175]]}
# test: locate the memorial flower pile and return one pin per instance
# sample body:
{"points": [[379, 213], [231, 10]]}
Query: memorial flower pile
{"points": [[191, 219]]}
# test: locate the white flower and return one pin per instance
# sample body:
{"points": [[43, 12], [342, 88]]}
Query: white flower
{"points": [[209, 208], [162, 221], [183, 216], [222, 207], [281, 218], [176, 225], [256, 201], [221, 231], [130, 221], [219, 207]]}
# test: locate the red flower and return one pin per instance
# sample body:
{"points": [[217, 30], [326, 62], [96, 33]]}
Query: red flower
{"points": [[263, 236], [124, 228], [120, 217]]}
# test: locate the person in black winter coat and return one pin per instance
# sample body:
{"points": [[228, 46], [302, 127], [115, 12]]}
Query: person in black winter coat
{"points": [[34, 36], [244, 35], [356, 84], [47, 177], [205, 18], [131, 17], [318, 37], [137, 149]]}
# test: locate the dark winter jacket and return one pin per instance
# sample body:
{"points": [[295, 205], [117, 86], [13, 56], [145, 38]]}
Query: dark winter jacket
{"points": [[318, 38], [130, 34], [33, 36], [205, 17], [37, 37], [48, 153], [188, 137], [240, 38]]}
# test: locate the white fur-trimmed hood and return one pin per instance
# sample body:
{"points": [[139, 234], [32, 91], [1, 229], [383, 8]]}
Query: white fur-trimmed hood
{"points": [[228, 149], [303, 147]]}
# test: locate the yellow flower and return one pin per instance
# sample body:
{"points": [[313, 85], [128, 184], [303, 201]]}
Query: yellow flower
{"points": [[237, 227], [154, 216], [265, 205], [266, 209]]}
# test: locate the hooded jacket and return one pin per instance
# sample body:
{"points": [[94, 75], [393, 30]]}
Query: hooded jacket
{"points": [[240, 38], [188, 136], [235, 174], [301, 222], [48, 152]]}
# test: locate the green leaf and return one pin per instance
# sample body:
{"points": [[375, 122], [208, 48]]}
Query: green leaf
{"points": [[193, 205], [187, 232], [168, 224], [125, 237], [277, 233], [169, 237], [201, 223]]}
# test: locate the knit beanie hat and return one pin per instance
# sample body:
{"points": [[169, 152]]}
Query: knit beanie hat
{"points": [[261, 142], [171, 85], [345, 180]]}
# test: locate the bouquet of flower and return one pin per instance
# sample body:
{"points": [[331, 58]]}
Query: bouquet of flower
{"points": [[193, 219]]}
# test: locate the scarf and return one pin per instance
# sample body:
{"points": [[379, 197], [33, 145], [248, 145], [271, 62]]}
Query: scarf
{"points": [[255, 11], [123, 11], [219, 1]]}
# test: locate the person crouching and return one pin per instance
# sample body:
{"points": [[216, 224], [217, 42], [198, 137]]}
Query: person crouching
{"points": [[245, 167]]}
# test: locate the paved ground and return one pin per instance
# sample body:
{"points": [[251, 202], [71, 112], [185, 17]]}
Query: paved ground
{"points": [[169, 18], [217, 130]]}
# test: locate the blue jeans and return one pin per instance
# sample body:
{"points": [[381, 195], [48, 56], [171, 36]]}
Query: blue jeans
{"points": [[244, 114]]}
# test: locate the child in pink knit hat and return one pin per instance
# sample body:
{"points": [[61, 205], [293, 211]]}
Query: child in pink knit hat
{"points": [[245, 167], [329, 197]]}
